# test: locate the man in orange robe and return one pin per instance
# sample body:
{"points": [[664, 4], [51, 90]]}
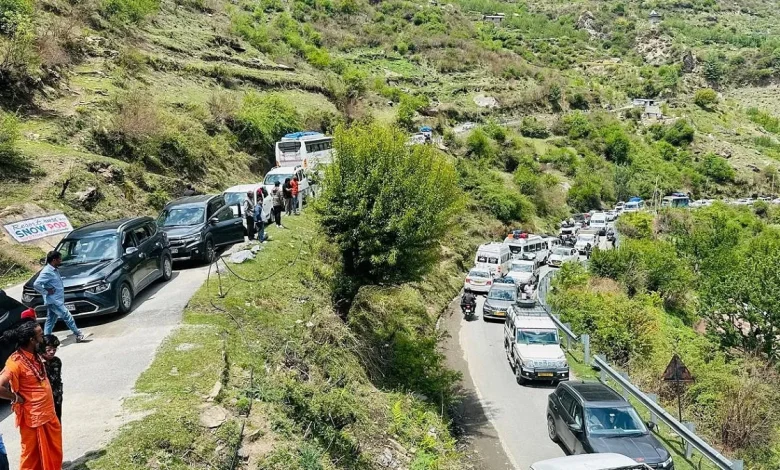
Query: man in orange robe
{"points": [[32, 400]]}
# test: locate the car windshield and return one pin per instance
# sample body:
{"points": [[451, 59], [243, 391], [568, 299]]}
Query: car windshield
{"points": [[180, 216], [503, 294], [613, 421], [537, 337], [233, 199], [272, 179], [88, 249], [522, 267], [585, 238], [475, 273], [561, 251]]}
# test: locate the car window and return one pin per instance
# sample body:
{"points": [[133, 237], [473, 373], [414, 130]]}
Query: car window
{"points": [[141, 234], [212, 208], [128, 240], [575, 411], [224, 214], [566, 400], [151, 228]]}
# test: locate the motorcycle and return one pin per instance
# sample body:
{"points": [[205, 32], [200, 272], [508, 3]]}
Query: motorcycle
{"points": [[468, 310]]}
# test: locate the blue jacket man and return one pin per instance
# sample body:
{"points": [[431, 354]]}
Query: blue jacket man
{"points": [[49, 284]]}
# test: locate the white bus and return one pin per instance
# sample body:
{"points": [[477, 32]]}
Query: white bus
{"points": [[305, 149], [676, 200]]}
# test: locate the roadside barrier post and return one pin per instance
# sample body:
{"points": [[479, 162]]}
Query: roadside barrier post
{"points": [[586, 348], [625, 390], [688, 446], [568, 340], [653, 416], [737, 464]]}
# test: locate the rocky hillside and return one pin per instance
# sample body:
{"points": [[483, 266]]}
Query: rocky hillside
{"points": [[111, 106]]}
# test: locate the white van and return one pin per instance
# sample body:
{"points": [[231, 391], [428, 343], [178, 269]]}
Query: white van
{"points": [[598, 221], [527, 246], [495, 257], [234, 197], [281, 173]]}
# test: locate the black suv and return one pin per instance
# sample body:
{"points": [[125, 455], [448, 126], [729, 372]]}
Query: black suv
{"points": [[105, 265], [10, 313], [589, 418], [200, 226]]}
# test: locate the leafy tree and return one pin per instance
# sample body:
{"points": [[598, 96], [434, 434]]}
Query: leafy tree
{"points": [[533, 128], [617, 145], [407, 110], [717, 168], [13, 165], [679, 134], [636, 225], [713, 68], [262, 120], [480, 145], [705, 98], [386, 205], [585, 193], [576, 125], [579, 101]]}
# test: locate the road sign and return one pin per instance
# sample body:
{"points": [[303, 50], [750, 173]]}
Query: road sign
{"points": [[676, 371]]}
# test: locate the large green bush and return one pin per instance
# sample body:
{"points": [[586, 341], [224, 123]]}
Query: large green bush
{"points": [[716, 168], [13, 165], [128, 11], [262, 120], [385, 204], [636, 225]]}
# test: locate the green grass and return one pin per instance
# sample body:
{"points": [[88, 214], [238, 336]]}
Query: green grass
{"points": [[276, 347]]}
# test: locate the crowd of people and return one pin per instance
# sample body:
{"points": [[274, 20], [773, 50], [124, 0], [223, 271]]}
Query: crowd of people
{"points": [[284, 199]]}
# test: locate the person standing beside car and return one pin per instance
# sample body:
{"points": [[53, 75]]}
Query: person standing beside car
{"points": [[49, 285], [248, 206], [260, 216], [287, 191], [278, 200], [294, 185]]}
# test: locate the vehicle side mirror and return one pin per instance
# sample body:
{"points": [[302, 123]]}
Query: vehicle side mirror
{"points": [[213, 221], [131, 250], [575, 428], [651, 426]]}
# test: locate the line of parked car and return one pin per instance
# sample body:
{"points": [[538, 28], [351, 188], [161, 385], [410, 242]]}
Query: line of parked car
{"points": [[105, 265]]}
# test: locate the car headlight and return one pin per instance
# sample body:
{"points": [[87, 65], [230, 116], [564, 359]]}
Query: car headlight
{"points": [[561, 364], [667, 463], [487, 306], [99, 288], [191, 238], [529, 364], [27, 298]]}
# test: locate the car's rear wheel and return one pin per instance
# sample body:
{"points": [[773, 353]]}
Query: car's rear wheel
{"points": [[551, 429], [167, 268], [125, 298]]}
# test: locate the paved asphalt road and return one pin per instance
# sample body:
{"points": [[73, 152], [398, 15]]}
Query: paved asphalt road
{"points": [[98, 375], [517, 413]]}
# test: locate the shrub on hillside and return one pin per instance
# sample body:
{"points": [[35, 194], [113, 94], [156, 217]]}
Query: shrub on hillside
{"points": [[716, 168], [407, 110], [533, 128], [617, 146], [705, 98], [128, 11], [262, 120], [678, 134], [13, 165], [636, 225], [576, 125], [385, 204], [479, 145]]}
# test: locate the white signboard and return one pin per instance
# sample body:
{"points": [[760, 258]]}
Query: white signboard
{"points": [[39, 227]]}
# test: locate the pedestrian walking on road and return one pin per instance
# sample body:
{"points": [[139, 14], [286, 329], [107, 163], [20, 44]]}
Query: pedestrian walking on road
{"points": [[248, 207], [295, 207], [287, 191], [53, 370], [49, 284], [278, 203], [24, 383], [260, 216]]}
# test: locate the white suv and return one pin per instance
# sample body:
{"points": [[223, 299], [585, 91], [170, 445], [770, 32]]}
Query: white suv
{"points": [[604, 461], [533, 347]]}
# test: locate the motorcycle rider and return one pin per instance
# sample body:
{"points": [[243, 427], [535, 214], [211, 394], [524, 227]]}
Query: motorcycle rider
{"points": [[470, 300]]}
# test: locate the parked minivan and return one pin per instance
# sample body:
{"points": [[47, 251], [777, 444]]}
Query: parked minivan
{"points": [[495, 257], [283, 172], [198, 227], [105, 265], [527, 246], [598, 221]]}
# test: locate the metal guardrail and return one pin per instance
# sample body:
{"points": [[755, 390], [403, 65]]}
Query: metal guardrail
{"points": [[684, 430]]}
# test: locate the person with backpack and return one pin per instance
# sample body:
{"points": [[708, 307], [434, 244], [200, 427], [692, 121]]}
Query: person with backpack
{"points": [[278, 203]]}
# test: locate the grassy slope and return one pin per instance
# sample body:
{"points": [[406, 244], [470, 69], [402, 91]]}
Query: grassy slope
{"points": [[319, 392]]}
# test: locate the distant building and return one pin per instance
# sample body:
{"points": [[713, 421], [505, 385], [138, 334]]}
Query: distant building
{"points": [[652, 112], [497, 18], [642, 102], [655, 17]]}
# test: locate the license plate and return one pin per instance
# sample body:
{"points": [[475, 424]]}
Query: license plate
{"points": [[545, 374], [500, 314], [70, 307], [174, 250]]}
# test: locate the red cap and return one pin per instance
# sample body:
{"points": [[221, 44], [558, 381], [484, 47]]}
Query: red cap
{"points": [[29, 314]]}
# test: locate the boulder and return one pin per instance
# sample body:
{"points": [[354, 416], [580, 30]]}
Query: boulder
{"points": [[89, 197], [241, 256], [688, 62], [213, 417], [485, 101]]}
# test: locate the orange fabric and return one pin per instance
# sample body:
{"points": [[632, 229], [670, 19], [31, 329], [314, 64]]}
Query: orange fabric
{"points": [[41, 447], [38, 406], [294, 187]]}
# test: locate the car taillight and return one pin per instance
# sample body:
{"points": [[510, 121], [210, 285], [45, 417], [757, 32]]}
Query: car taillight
{"points": [[468, 281], [489, 283]]}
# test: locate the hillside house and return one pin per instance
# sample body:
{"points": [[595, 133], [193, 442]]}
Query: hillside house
{"points": [[655, 18], [495, 19], [643, 102], [652, 112]]}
